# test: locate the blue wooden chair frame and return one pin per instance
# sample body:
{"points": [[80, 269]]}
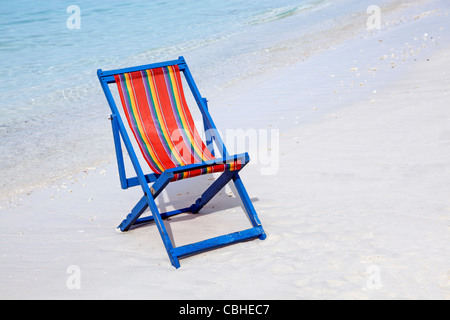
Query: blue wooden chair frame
{"points": [[160, 181]]}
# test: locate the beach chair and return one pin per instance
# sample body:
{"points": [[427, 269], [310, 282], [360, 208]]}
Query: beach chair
{"points": [[155, 108]]}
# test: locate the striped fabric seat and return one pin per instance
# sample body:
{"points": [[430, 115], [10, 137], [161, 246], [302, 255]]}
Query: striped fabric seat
{"points": [[157, 113]]}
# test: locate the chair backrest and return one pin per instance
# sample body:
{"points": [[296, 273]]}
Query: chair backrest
{"points": [[157, 113]]}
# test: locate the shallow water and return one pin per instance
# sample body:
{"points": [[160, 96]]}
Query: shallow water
{"points": [[53, 113]]}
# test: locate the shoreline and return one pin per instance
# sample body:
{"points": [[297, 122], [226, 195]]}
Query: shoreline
{"points": [[71, 144], [369, 191]]}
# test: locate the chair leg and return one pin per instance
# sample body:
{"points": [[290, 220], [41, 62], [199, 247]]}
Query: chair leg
{"points": [[142, 205], [212, 191], [175, 253], [248, 205], [137, 211], [163, 232], [218, 185]]}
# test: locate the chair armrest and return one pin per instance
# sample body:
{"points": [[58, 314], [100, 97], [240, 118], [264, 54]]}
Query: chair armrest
{"points": [[243, 158]]}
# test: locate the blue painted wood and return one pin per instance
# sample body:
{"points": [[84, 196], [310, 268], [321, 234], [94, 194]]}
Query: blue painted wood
{"points": [[162, 231], [248, 205], [212, 190], [243, 157], [209, 138], [163, 215], [216, 242], [108, 76], [142, 205], [133, 182], [119, 154], [161, 183], [207, 119], [136, 212]]}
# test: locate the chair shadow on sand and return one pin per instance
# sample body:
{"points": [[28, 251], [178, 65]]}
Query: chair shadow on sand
{"points": [[175, 196]]}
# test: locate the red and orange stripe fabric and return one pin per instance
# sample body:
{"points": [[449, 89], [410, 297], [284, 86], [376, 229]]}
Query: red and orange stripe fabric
{"points": [[157, 113]]}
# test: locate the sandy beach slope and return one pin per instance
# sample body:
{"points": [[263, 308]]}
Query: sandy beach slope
{"points": [[358, 207]]}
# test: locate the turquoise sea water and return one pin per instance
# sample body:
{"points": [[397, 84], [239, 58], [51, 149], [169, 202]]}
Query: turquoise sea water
{"points": [[43, 60], [52, 109]]}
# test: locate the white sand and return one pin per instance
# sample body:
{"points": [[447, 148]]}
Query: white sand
{"points": [[359, 207]]}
